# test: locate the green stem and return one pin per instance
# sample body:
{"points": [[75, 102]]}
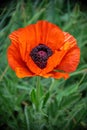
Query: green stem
{"points": [[38, 92]]}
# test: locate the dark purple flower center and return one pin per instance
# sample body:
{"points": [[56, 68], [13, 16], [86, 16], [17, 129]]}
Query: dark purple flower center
{"points": [[40, 55]]}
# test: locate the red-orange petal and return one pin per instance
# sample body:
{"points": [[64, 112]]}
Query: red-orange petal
{"points": [[22, 72], [14, 57], [59, 75], [20, 39], [56, 75], [70, 61], [16, 63], [69, 38], [51, 35]]}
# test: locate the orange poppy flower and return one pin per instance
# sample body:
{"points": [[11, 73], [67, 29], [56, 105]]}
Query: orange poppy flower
{"points": [[43, 49]]}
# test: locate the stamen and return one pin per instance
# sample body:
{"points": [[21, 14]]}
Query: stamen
{"points": [[40, 55]]}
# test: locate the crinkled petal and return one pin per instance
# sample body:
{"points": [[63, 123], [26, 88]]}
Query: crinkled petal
{"points": [[16, 63], [56, 75], [20, 38], [51, 35], [71, 58], [22, 72], [69, 38], [14, 57], [70, 61]]}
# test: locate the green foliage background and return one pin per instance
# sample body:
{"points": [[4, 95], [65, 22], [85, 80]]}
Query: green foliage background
{"points": [[56, 104]]}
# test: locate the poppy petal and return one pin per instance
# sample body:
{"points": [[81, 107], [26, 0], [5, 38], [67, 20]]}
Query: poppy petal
{"points": [[56, 75], [69, 38], [20, 37], [14, 37], [70, 61], [14, 57], [59, 75], [23, 72], [15, 62], [51, 35]]}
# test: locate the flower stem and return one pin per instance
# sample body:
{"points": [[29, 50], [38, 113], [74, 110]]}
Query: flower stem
{"points": [[38, 92]]}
